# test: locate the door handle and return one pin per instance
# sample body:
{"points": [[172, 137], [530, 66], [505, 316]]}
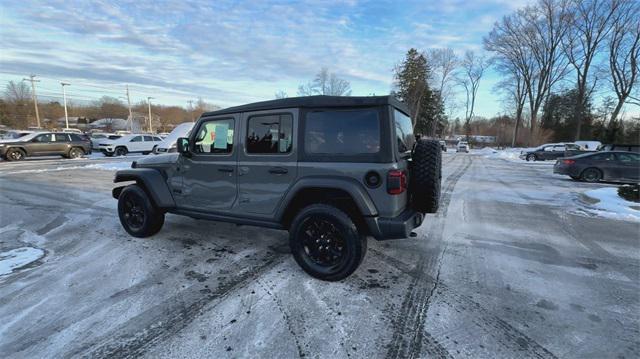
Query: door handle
{"points": [[278, 170], [226, 169]]}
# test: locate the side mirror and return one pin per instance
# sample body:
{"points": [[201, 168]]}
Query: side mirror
{"points": [[183, 146]]}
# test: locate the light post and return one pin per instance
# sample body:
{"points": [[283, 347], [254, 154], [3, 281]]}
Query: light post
{"points": [[64, 98], [149, 103]]}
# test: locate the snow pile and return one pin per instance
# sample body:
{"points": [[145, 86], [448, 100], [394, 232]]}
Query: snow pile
{"points": [[509, 154], [113, 166], [17, 258], [605, 202]]}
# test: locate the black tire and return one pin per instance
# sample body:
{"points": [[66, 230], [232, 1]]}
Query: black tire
{"points": [[138, 214], [591, 175], [15, 154], [120, 151], [426, 176], [326, 243], [75, 152], [575, 178], [531, 157]]}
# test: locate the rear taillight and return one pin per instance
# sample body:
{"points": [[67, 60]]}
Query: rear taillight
{"points": [[396, 182], [568, 162]]}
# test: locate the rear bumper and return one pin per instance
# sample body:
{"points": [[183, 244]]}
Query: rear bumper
{"points": [[565, 170], [383, 228]]}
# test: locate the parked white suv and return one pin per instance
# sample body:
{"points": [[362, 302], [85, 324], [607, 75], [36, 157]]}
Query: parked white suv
{"points": [[130, 143], [462, 147]]}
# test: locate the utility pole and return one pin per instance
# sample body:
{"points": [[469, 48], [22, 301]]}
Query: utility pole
{"points": [[191, 109], [64, 98], [149, 103], [33, 94], [130, 114]]}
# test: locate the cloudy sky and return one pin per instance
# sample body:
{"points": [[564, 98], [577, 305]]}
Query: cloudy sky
{"points": [[231, 52]]}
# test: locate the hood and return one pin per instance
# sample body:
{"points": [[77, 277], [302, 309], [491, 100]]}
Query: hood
{"points": [[158, 160]]}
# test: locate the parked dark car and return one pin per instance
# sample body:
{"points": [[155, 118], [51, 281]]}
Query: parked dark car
{"points": [[549, 151], [68, 145], [619, 147], [608, 165]]}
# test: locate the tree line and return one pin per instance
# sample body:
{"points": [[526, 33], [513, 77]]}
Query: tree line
{"points": [[553, 56], [17, 110]]}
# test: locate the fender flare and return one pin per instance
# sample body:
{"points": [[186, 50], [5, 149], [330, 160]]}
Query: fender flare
{"points": [[351, 186], [152, 181]]}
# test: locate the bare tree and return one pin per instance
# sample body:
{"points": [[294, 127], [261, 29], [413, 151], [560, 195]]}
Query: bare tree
{"points": [[590, 23], [18, 103], [444, 64], [531, 41], [473, 68], [326, 83], [281, 94], [624, 55], [516, 96]]}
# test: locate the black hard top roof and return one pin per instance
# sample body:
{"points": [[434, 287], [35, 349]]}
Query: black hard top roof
{"points": [[314, 101]]}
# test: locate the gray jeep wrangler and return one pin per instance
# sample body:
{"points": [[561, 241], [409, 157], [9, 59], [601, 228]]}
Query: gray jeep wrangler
{"points": [[330, 170]]}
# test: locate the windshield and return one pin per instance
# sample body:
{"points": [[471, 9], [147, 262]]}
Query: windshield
{"points": [[404, 131]]}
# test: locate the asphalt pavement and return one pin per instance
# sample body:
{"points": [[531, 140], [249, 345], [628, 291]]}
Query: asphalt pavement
{"points": [[509, 267]]}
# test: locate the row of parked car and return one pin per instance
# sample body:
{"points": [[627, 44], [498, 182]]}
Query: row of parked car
{"points": [[17, 145], [590, 161]]}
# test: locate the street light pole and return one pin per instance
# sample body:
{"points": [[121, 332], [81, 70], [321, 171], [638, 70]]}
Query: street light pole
{"points": [[130, 114], [149, 103], [64, 98]]}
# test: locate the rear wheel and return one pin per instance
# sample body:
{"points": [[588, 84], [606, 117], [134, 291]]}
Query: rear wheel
{"points": [[426, 175], [326, 243], [591, 175], [15, 154], [138, 214], [76, 152], [121, 151]]}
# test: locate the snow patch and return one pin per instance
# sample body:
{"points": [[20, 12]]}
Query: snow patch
{"points": [[111, 166], [605, 202], [17, 258]]}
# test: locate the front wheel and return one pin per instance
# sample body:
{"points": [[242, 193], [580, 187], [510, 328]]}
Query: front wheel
{"points": [[531, 157], [326, 243], [14, 154], [138, 215], [121, 151]]}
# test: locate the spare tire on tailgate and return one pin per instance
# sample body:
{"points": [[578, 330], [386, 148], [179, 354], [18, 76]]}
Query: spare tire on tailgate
{"points": [[426, 173]]}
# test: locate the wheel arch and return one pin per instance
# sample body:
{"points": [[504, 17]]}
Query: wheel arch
{"points": [[151, 181], [345, 194]]}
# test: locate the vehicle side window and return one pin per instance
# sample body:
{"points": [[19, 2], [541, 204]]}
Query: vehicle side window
{"points": [[574, 147], [215, 136], [347, 132], [136, 139], [404, 131], [75, 137], [43, 138], [628, 157], [603, 157], [270, 134], [62, 137], [548, 149], [157, 139], [148, 139], [558, 148]]}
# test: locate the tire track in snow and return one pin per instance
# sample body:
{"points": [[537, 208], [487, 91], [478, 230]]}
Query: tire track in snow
{"points": [[137, 335], [409, 334]]}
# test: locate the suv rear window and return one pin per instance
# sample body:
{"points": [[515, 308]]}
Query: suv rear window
{"points": [[404, 131], [350, 132]]}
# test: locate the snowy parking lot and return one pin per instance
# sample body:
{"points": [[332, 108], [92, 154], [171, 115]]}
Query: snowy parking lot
{"points": [[518, 262]]}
